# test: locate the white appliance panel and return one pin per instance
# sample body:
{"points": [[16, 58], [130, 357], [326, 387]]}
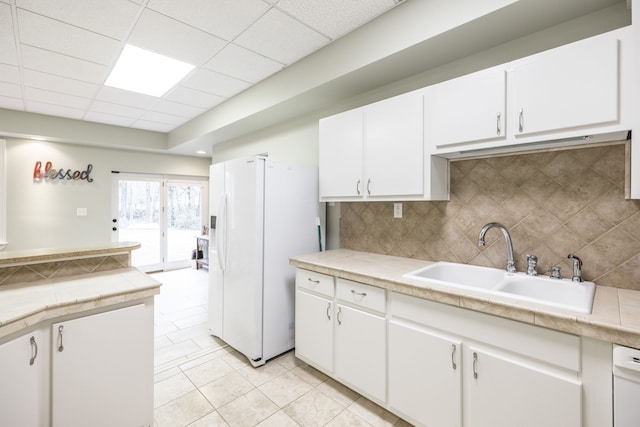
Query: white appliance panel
{"points": [[216, 288]]}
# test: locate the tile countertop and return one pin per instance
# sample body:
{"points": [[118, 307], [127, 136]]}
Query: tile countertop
{"points": [[25, 305], [615, 316], [43, 254]]}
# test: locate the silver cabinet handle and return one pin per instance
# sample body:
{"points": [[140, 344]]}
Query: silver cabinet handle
{"points": [[521, 120], [369, 187], [453, 355], [498, 116], [475, 365], [328, 308], [354, 293], [313, 281], [338, 316], [358, 187], [34, 351], [60, 346]]}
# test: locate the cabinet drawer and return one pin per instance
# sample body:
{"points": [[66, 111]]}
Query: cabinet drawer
{"points": [[316, 282], [361, 295]]}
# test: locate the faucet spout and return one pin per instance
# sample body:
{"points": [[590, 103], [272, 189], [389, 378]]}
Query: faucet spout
{"points": [[511, 264]]}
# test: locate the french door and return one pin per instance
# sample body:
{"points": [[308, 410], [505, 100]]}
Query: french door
{"points": [[164, 214]]}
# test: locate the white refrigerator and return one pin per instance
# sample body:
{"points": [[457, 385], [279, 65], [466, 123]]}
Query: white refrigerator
{"points": [[262, 212]]}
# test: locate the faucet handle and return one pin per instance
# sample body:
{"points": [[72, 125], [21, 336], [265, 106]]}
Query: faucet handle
{"points": [[577, 268], [554, 273], [532, 262]]}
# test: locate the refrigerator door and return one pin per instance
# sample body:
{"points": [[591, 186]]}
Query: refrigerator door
{"points": [[243, 291], [217, 196]]}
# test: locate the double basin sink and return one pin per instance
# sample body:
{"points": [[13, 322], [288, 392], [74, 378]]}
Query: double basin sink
{"points": [[557, 293]]}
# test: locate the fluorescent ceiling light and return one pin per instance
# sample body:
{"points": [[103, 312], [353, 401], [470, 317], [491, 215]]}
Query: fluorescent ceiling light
{"points": [[142, 71]]}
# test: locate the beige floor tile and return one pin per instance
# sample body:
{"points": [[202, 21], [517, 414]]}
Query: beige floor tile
{"points": [[309, 374], [372, 413], [262, 374], [175, 352], [208, 371], [234, 358], [171, 388], [347, 419], [314, 409], [248, 410], [212, 420], [279, 419], [288, 360], [285, 388], [226, 389], [163, 375], [183, 411], [338, 392]]}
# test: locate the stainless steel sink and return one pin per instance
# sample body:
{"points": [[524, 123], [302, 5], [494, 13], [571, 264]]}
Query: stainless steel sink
{"points": [[559, 293]]}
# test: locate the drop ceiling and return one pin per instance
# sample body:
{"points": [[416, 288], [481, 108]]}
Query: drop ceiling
{"points": [[55, 55]]}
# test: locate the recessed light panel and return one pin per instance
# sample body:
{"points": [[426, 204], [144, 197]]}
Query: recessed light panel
{"points": [[142, 71]]}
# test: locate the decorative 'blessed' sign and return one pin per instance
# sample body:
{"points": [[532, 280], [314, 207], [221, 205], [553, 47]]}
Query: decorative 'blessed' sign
{"points": [[51, 173]]}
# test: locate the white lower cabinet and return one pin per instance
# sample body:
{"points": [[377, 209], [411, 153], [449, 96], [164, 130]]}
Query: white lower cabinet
{"points": [[20, 375], [425, 375], [314, 329], [102, 369], [506, 391]]}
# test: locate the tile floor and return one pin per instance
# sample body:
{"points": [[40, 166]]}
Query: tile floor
{"points": [[202, 382]]}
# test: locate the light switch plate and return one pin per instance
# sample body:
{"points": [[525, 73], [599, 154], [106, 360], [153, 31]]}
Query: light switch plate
{"points": [[397, 210]]}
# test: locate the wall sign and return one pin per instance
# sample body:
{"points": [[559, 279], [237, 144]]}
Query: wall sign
{"points": [[69, 174]]}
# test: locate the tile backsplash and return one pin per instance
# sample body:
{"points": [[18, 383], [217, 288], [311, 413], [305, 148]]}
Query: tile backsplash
{"points": [[553, 203]]}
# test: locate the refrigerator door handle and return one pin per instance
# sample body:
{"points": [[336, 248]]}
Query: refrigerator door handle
{"points": [[221, 240]]}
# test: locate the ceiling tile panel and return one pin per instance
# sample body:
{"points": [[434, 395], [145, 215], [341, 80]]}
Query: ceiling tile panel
{"points": [[112, 18], [62, 65], [334, 18], [282, 38], [172, 38], [54, 110], [178, 109], [125, 97], [46, 33], [243, 64], [214, 83], [223, 18], [8, 52], [94, 116], [59, 84], [9, 74], [163, 118], [116, 109], [189, 96], [11, 90], [39, 95], [11, 103]]}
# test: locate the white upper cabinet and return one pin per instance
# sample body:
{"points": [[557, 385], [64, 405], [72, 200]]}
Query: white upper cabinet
{"points": [[466, 109], [567, 87], [394, 147], [340, 155]]}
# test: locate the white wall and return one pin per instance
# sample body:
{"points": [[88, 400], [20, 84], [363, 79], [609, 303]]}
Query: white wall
{"points": [[43, 214]]}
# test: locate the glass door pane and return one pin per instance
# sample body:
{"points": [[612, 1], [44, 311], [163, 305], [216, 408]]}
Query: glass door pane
{"points": [[184, 219], [139, 220]]}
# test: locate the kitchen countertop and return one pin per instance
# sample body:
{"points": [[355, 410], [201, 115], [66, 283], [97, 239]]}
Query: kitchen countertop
{"points": [[27, 304], [46, 254], [615, 316]]}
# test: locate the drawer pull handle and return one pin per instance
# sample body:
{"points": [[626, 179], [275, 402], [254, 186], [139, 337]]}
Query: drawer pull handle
{"points": [[328, 308], [317, 282], [475, 365], [369, 187], [362, 294], [34, 351], [453, 355], [60, 346], [358, 187], [521, 120], [498, 130], [338, 316]]}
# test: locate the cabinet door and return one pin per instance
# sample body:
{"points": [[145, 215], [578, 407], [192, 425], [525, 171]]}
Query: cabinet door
{"points": [[20, 373], [340, 155], [102, 369], [394, 147], [505, 392], [467, 109], [360, 349], [567, 87], [425, 381], [314, 330]]}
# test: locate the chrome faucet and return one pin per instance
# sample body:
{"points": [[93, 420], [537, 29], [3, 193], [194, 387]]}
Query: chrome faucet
{"points": [[511, 264], [532, 262], [577, 268]]}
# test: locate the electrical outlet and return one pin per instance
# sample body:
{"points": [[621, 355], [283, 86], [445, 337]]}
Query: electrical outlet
{"points": [[397, 210]]}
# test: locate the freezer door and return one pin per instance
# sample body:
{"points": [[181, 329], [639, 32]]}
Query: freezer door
{"points": [[216, 277], [242, 317]]}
